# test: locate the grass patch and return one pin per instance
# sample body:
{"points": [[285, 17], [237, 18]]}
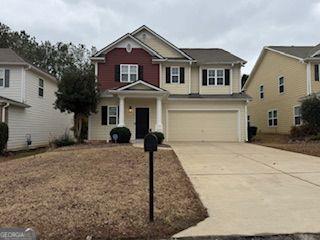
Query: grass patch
{"points": [[99, 192]]}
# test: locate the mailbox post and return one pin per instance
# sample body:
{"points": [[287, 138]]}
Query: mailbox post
{"points": [[151, 145]]}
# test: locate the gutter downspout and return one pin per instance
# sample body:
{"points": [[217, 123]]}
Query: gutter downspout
{"points": [[4, 112]]}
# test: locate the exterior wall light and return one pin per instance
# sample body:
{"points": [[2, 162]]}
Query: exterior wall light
{"points": [[130, 109]]}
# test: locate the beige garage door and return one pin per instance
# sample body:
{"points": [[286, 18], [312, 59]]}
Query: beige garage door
{"points": [[203, 126]]}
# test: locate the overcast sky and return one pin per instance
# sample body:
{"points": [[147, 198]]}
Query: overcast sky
{"points": [[242, 27]]}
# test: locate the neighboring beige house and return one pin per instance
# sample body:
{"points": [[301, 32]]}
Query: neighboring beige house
{"points": [[189, 94], [27, 95], [281, 77]]}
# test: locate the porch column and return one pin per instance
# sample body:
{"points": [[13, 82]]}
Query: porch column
{"points": [[159, 126], [121, 111]]}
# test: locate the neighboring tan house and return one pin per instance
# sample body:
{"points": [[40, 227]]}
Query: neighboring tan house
{"points": [[148, 84], [27, 95], [281, 77]]}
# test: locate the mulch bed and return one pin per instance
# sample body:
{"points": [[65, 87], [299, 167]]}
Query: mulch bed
{"points": [[98, 192], [283, 142]]}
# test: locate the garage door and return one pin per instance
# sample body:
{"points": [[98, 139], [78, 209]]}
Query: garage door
{"points": [[203, 125]]}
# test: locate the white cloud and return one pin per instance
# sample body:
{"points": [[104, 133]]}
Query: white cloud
{"points": [[242, 27]]}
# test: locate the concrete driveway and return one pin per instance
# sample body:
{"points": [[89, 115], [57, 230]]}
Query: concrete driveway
{"points": [[250, 189]]}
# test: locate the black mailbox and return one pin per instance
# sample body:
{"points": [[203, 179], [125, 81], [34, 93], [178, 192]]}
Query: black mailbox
{"points": [[150, 143]]}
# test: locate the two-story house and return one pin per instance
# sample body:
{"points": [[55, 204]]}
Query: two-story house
{"points": [[188, 94], [280, 79], [27, 95]]}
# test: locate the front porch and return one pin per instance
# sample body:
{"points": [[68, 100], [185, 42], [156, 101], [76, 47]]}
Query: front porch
{"points": [[137, 106]]}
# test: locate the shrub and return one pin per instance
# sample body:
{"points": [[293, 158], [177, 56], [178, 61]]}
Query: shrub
{"points": [[64, 140], [300, 132], [123, 133], [4, 136], [315, 137], [310, 113], [252, 131], [160, 136]]}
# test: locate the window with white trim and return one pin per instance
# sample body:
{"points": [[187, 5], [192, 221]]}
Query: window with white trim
{"points": [[41, 88], [272, 118], [216, 77], [175, 74], [2, 76], [128, 73], [261, 92], [281, 84], [112, 115], [297, 115]]}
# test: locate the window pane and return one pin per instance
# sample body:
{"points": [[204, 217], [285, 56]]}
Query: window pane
{"points": [[40, 82], [211, 73], [281, 80], [275, 113], [270, 114], [112, 111], [124, 77], [41, 92], [211, 81], [297, 120], [281, 89], [133, 77], [219, 73], [275, 122], [270, 122], [175, 79], [133, 69], [175, 71], [112, 120], [262, 95], [124, 68], [261, 88], [1, 82], [219, 81], [297, 111]]}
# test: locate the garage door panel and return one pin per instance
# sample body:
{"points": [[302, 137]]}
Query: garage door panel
{"points": [[203, 126]]}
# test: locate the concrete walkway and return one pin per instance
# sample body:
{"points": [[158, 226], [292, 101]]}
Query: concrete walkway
{"points": [[250, 189]]}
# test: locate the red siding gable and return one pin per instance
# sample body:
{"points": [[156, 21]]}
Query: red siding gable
{"points": [[117, 56]]}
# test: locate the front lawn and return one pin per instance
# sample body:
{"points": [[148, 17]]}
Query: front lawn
{"points": [[99, 192], [283, 142]]}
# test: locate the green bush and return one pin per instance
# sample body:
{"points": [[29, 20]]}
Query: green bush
{"points": [[300, 132], [310, 113], [315, 137], [4, 136], [64, 140], [160, 136], [123, 133]]}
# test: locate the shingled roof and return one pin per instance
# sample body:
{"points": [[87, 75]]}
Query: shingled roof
{"points": [[212, 55], [7, 55], [297, 51]]}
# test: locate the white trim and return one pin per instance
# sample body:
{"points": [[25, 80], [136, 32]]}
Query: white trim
{"points": [[129, 72], [190, 78], [240, 80], [3, 77], [117, 120], [316, 53], [204, 110], [294, 116], [4, 111], [279, 85], [160, 75], [128, 35], [200, 79], [207, 99], [97, 59], [309, 85], [177, 75], [23, 85], [259, 91], [161, 38], [272, 118], [138, 82], [246, 120], [41, 87]]}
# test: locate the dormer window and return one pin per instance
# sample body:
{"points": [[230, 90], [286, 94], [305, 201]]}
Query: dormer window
{"points": [[128, 73]]}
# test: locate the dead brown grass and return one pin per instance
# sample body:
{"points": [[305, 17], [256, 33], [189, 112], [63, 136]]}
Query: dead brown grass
{"points": [[100, 192], [282, 142]]}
